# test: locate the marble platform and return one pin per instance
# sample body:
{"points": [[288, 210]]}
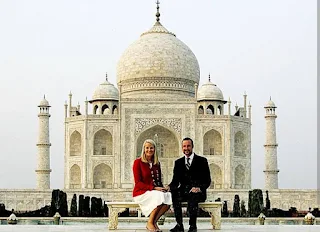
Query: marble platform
{"points": [[140, 228]]}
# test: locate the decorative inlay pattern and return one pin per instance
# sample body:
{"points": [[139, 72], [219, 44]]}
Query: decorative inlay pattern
{"points": [[174, 123]]}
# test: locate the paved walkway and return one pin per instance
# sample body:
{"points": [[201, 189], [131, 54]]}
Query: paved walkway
{"points": [[139, 228]]}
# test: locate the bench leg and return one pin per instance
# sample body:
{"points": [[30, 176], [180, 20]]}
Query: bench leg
{"points": [[216, 218], [113, 217]]}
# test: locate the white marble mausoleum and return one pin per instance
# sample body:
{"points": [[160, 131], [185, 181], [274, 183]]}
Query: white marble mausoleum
{"points": [[157, 96]]}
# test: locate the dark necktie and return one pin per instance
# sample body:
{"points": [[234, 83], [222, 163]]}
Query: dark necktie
{"points": [[188, 163]]}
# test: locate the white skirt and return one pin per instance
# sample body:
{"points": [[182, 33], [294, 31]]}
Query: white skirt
{"points": [[151, 199]]}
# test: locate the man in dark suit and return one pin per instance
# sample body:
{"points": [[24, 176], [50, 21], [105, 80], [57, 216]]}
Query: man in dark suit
{"points": [[191, 178]]}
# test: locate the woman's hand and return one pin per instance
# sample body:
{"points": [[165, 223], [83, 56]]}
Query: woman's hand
{"points": [[160, 189]]}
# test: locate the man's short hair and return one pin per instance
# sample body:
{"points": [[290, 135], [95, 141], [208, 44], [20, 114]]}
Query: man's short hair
{"points": [[187, 138]]}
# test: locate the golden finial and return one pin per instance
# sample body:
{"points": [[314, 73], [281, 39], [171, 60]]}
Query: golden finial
{"points": [[158, 13], [209, 78], [106, 76]]}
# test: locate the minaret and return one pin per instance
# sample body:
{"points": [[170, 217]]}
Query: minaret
{"points": [[43, 159], [245, 105], [229, 107], [271, 164]]}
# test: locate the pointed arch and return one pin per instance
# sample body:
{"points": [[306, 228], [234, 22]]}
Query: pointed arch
{"points": [[75, 144], [210, 109], [95, 109], [102, 143], [114, 109], [216, 176], [239, 177], [75, 177], [200, 110], [212, 143], [167, 148], [105, 109], [240, 144], [102, 177], [219, 111]]}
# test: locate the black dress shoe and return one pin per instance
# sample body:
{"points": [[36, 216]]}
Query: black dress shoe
{"points": [[177, 228], [193, 229]]}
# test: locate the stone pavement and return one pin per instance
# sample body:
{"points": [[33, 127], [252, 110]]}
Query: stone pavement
{"points": [[139, 228]]}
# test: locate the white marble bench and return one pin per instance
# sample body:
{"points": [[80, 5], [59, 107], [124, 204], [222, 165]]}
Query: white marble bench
{"points": [[213, 208]]}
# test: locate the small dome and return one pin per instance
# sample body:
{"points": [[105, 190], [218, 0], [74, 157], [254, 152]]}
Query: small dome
{"points": [[44, 102], [270, 103], [105, 91], [209, 91]]}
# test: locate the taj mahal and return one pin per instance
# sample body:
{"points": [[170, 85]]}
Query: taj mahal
{"points": [[157, 96]]}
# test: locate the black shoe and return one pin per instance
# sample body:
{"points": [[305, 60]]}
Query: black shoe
{"points": [[193, 229], [177, 228]]}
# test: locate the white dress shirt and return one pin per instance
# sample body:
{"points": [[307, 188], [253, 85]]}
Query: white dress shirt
{"points": [[190, 160]]}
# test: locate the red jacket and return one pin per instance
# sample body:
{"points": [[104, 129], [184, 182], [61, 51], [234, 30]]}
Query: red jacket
{"points": [[143, 180]]}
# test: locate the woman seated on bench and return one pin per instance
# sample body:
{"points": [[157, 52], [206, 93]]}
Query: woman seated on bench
{"points": [[148, 192]]}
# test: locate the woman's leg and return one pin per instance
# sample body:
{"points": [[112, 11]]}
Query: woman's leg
{"points": [[162, 209], [152, 216]]}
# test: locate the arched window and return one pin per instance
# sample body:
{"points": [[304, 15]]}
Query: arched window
{"points": [[114, 109], [212, 143], [75, 144], [219, 110], [239, 177], [104, 109], [95, 109], [216, 176], [102, 143], [75, 177], [210, 109], [240, 144], [200, 110], [102, 177]]}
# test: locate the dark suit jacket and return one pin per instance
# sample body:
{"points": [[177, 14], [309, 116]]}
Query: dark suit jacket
{"points": [[199, 174]]}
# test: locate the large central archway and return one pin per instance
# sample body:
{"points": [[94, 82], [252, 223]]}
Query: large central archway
{"points": [[168, 148]]}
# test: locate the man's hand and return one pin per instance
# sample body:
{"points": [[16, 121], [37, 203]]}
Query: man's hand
{"points": [[195, 190]]}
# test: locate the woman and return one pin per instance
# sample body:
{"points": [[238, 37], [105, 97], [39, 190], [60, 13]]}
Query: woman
{"points": [[148, 192]]}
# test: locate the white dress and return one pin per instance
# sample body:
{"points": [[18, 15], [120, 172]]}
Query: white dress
{"points": [[151, 199]]}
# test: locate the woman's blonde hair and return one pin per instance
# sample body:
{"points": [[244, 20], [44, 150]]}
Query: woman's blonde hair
{"points": [[143, 155]]}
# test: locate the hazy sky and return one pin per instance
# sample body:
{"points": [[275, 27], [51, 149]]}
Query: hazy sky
{"points": [[266, 48]]}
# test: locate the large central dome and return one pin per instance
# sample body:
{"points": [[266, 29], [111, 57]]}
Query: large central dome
{"points": [[157, 63]]}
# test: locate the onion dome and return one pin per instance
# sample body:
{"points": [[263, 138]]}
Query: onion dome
{"points": [[209, 91], [270, 104], [158, 60], [44, 102], [105, 91]]}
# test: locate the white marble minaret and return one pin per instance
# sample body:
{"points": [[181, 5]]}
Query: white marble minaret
{"points": [[271, 164], [43, 159]]}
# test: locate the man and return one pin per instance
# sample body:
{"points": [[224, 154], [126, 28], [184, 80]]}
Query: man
{"points": [[191, 178]]}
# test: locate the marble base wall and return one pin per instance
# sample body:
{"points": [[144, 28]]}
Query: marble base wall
{"points": [[31, 199]]}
